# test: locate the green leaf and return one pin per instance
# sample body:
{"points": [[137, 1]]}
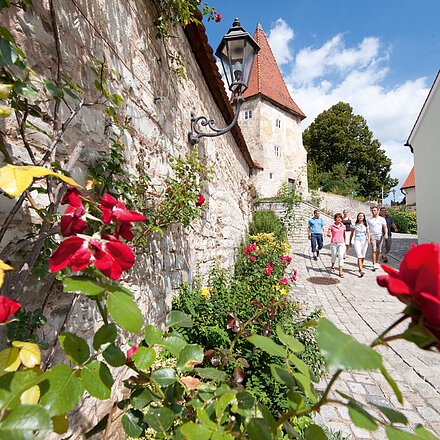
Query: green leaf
{"points": [[114, 356], [132, 423], [27, 422], [153, 335], [75, 347], [176, 318], [82, 284], [282, 376], [306, 385], [61, 391], [140, 398], [295, 400], [360, 417], [164, 376], [291, 342], [160, 419], [267, 345], [420, 434], [391, 414], [144, 358], [315, 432], [211, 373], [258, 429], [174, 343], [392, 383], [204, 419], [124, 311], [419, 335], [193, 431], [105, 335], [299, 364], [53, 90], [13, 384], [26, 90], [191, 355], [424, 434], [97, 379], [245, 400], [341, 351], [223, 403]]}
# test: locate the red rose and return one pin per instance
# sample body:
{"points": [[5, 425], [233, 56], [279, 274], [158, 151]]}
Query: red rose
{"points": [[72, 197], [293, 276], [418, 282], [200, 200], [72, 221], [7, 308], [131, 351], [283, 281], [218, 17], [268, 270], [108, 255], [252, 258]]}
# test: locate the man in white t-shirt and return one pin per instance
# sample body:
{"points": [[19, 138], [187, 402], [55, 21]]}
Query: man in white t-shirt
{"points": [[378, 233]]}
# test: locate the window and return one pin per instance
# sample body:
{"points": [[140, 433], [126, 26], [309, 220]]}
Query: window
{"points": [[291, 183], [247, 114], [270, 175], [277, 151], [278, 123]]}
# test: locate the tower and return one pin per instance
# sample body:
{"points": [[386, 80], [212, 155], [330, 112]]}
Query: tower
{"points": [[271, 124]]}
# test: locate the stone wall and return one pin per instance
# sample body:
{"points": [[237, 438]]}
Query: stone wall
{"points": [[159, 105], [333, 203]]}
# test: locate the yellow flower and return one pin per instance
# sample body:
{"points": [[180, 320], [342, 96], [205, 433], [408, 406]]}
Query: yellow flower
{"points": [[3, 267], [206, 291], [283, 291]]}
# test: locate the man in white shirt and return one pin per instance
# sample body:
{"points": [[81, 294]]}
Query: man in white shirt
{"points": [[378, 233]]}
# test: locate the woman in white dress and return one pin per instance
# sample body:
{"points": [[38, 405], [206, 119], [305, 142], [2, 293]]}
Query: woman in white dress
{"points": [[360, 237]]}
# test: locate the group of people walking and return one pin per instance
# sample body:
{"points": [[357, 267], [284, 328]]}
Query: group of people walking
{"points": [[345, 233]]}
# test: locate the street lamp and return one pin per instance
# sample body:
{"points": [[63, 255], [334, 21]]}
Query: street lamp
{"points": [[237, 52]]}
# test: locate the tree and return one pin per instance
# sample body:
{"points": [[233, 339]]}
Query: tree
{"points": [[338, 138]]}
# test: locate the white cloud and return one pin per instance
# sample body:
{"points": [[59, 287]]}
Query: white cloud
{"points": [[319, 77], [279, 37]]}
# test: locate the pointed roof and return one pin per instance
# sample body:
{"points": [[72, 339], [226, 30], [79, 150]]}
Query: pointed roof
{"points": [[267, 80], [410, 181]]}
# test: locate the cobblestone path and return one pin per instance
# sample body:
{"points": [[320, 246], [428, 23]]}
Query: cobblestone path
{"points": [[360, 307]]}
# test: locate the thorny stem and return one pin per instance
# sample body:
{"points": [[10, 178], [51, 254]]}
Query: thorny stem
{"points": [[103, 312], [380, 339]]}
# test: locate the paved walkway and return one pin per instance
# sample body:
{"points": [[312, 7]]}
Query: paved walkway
{"points": [[360, 307]]}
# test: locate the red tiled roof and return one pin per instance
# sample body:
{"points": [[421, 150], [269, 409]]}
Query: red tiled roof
{"points": [[267, 80], [410, 181]]}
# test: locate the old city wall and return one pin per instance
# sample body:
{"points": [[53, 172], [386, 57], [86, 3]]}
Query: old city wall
{"points": [[159, 104]]}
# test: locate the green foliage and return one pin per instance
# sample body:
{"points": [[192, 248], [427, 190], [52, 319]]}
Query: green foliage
{"points": [[265, 221], [24, 326], [337, 181], [406, 221], [339, 137]]}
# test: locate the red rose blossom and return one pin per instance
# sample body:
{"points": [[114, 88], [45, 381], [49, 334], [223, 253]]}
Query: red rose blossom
{"points": [[418, 282], [72, 221], [7, 308], [200, 200], [108, 255], [131, 351], [283, 281], [268, 269], [72, 197], [293, 275], [252, 258], [218, 17]]}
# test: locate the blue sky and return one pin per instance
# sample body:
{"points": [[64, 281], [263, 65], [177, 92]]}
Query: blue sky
{"points": [[381, 56]]}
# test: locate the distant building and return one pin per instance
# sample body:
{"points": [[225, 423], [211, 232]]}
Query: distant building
{"points": [[424, 142], [271, 124], [409, 189]]}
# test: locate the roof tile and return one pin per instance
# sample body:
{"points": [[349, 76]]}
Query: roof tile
{"points": [[410, 181], [267, 80]]}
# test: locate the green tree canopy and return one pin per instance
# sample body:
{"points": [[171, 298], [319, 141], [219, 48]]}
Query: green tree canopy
{"points": [[344, 155]]}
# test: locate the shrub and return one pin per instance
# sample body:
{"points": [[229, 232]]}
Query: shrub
{"points": [[406, 222], [267, 222]]}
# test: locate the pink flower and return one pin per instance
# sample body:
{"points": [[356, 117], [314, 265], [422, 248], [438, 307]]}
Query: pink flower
{"points": [[283, 281], [7, 308], [108, 255], [218, 17], [131, 351], [252, 258], [200, 200]]}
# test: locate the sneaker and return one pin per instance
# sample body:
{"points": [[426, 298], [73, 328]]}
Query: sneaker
{"points": [[361, 274], [374, 267], [385, 260], [315, 258], [317, 253]]}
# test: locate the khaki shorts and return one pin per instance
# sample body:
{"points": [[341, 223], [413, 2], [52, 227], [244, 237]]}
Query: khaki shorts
{"points": [[376, 243]]}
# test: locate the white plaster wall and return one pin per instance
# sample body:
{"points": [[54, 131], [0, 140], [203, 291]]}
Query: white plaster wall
{"points": [[426, 145], [262, 136], [410, 197]]}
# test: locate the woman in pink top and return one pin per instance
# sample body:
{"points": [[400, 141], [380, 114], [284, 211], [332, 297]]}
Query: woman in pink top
{"points": [[337, 232]]}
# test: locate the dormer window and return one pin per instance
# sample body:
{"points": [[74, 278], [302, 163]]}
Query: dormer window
{"points": [[278, 123], [277, 150], [247, 114]]}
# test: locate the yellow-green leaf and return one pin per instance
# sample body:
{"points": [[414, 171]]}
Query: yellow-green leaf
{"points": [[15, 179], [3, 267], [5, 111], [31, 396], [60, 424], [9, 360], [30, 353]]}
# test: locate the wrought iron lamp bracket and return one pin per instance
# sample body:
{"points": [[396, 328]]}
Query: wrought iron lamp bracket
{"points": [[197, 133]]}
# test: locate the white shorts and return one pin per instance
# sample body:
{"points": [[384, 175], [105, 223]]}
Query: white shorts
{"points": [[338, 251], [347, 237], [360, 248]]}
